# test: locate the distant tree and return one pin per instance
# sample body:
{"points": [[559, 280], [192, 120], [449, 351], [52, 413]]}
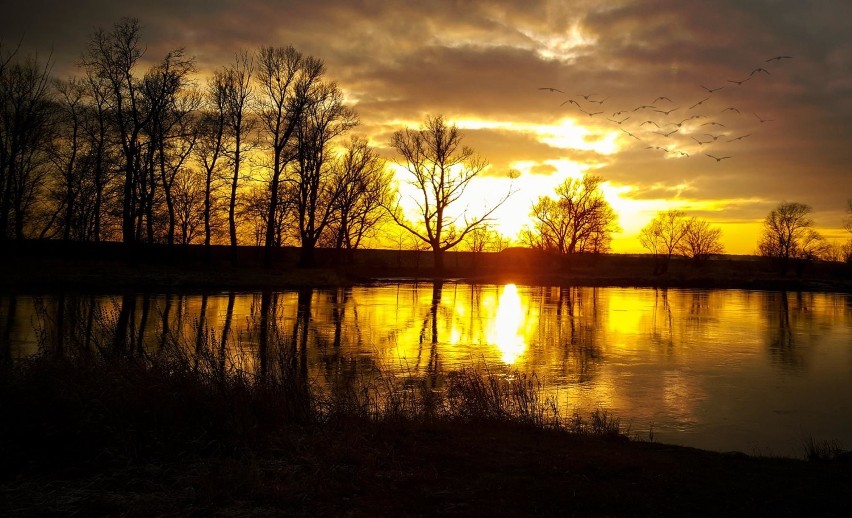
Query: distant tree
{"points": [[663, 237], [579, 219], [440, 169], [788, 234], [700, 240], [190, 199], [847, 220], [485, 238]]}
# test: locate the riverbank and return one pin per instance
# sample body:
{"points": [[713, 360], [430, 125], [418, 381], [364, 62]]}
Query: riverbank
{"points": [[164, 437], [47, 266]]}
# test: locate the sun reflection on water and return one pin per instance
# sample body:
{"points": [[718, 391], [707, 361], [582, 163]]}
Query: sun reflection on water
{"points": [[507, 324]]}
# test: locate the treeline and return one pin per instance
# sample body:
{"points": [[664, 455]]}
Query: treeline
{"points": [[257, 154], [262, 153]]}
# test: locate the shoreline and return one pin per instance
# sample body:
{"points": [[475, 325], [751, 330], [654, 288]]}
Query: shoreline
{"points": [[84, 267]]}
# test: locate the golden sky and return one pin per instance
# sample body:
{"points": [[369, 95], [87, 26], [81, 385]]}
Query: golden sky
{"points": [[483, 66]]}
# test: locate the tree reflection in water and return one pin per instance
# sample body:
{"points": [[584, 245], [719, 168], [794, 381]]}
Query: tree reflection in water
{"points": [[624, 348]]}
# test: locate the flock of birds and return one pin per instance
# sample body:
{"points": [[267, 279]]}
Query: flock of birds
{"points": [[672, 123]]}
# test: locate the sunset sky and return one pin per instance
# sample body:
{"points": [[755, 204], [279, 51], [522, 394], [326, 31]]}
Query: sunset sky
{"points": [[483, 65]]}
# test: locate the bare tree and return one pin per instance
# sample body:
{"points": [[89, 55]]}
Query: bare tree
{"points": [[211, 144], [663, 237], [190, 196], [440, 170], [25, 116], [847, 220], [112, 57], [485, 238], [365, 188], [701, 240], [316, 189], [578, 220], [66, 151], [788, 234], [237, 93], [171, 134], [285, 78]]}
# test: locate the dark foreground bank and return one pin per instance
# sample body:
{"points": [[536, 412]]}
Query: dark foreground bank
{"points": [[100, 435]]}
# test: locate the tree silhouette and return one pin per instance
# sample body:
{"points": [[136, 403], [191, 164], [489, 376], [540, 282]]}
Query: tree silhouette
{"points": [[440, 170], [700, 240], [285, 78], [25, 125], [788, 234], [663, 237], [579, 219], [365, 187]]}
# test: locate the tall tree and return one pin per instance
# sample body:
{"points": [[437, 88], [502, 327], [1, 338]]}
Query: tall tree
{"points": [[112, 57], [285, 78], [171, 134], [440, 170], [314, 187], [237, 93], [211, 144], [25, 116]]}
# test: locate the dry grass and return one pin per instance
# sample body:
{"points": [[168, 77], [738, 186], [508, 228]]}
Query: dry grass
{"points": [[101, 430]]}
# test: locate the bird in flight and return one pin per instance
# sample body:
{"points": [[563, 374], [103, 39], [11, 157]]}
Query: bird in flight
{"points": [[699, 102], [650, 122], [590, 114], [684, 153], [599, 102], [669, 134], [739, 83], [550, 89], [717, 158], [666, 112], [740, 137], [761, 119], [616, 114], [586, 96], [661, 98], [759, 69], [714, 137], [631, 134], [679, 124], [778, 58], [572, 101], [699, 141], [711, 90], [713, 124], [731, 108], [617, 121], [643, 107]]}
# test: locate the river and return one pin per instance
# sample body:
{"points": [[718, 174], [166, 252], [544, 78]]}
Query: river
{"points": [[751, 371]]}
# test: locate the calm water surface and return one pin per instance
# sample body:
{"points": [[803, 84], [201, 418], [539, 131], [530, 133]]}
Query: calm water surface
{"points": [[723, 370]]}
